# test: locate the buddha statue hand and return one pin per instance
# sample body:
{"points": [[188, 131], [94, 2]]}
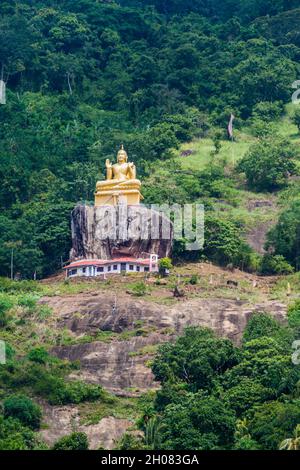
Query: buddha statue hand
{"points": [[132, 170], [109, 170]]}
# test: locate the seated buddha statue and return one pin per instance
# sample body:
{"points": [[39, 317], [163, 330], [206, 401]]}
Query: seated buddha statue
{"points": [[120, 182]]}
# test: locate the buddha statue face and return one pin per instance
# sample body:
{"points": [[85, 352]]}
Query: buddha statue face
{"points": [[122, 156]]}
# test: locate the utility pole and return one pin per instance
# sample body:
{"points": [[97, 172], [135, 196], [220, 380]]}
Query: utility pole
{"points": [[12, 264], [12, 246]]}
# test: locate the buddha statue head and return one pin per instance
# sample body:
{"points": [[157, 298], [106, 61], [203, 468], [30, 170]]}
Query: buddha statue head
{"points": [[122, 155]]}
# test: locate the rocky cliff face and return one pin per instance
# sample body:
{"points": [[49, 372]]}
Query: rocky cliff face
{"points": [[63, 420], [122, 364], [104, 232]]}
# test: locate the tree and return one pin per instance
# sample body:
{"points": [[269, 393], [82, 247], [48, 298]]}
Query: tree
{"points": [[198, 423], [223, 243], [275, 265], [165, 264], [269, 164], [271, 422], [197, 358], [292, 443], [283, 239], [24, 409], [15, 436], [75, 441], [38, 355]]}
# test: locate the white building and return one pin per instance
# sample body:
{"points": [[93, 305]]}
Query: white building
{"points": [[99, 267]]}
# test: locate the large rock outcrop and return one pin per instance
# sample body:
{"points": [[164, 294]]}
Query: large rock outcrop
{"points": [[105, 232], [121, 365]]}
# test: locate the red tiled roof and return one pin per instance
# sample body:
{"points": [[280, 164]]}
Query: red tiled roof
{"points": [[103, 262]]}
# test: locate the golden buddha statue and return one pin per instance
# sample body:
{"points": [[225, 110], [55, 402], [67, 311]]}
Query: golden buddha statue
{"points": [[121, 185]]}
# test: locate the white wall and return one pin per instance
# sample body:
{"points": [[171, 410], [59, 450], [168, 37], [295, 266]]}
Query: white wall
{"points": [[91, 271]]}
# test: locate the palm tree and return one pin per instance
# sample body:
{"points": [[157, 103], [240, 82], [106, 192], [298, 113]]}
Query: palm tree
{"points": [[152, 430], [293, 443]]}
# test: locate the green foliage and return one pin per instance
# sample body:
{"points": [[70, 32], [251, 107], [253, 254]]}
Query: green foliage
{"points": [[131, 442], [194, 280], [139, 289], [224, 245], [28, 302], [59, 392], [23, 409], [268, 111], [268, 164], [294, 315], [165, 264], [197, 357], [38, 355], [259, 325], [6, 303], [75, 441], [215, 396], [197, 423], [275, 265], [165, 78], [13, 287], [261, 128], [296, 118], [283, 239], [270, 423], [15, 436]]}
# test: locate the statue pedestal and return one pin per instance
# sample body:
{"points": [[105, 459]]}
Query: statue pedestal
{"points": [[110, 195]]}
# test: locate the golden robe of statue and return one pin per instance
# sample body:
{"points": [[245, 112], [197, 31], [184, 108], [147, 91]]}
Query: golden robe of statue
{"points": [[121, 185]]}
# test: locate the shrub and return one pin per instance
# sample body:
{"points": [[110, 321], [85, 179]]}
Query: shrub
{"points": [[294, 315], [260, 128], [259, 325], [75, 441], [6, 304], [296, 118], [275, 265], [14, 436], [165, 264], [139, 289], [194, 280], [59, 392], [23, 409], [268, 111], [9, 286], [268, 164], [283, 239], [28, 301], [38, 355]]}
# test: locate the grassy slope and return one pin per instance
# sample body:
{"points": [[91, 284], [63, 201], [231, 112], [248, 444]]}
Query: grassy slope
{"points": [[239, 206]]}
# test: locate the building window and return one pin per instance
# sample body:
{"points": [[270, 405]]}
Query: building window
{"points": [[131, 267], [100, 270], [115, 267], [84, 270], [72, 272], [146, 270], [138, 269], [109, 268]]}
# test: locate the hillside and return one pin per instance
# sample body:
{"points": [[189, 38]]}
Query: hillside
{"points": [[82, 77], [203, 359], [113, 336]]}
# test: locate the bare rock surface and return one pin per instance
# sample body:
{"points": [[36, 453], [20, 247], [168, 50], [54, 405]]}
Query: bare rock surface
{"points": [[63, 420], [120, 365], [102, 232]]}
